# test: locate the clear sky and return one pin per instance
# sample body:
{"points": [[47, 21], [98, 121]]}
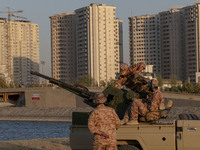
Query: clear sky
{"points": [[38, 11]]}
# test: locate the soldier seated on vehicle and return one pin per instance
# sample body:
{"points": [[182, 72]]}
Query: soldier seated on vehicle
{"points": [[138, 107], [130, 75]]}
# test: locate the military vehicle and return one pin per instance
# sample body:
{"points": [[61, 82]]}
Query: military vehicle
{"points": [[182, 134]]}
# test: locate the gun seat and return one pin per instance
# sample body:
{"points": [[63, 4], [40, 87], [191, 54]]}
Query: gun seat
{"points": [[163, 113]]}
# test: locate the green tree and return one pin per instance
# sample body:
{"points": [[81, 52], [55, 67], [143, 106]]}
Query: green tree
{"points": [[176, 88], [179, 87], [36, 84], [102, 83], [11, 85], [112, 82], [197, 88], [160, 80], [3, 83], [86, 80], [173, 80], [188, 87]]}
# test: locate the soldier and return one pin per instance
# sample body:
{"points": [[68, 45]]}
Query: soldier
{"points": [[141, 108], [123, 73], [103, 123], [131, 76], [156, 101]]}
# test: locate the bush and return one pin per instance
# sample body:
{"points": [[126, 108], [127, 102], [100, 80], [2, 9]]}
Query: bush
{"points": [[160, 80], [188, 87], [3, 83], [86, 80], [176, 88], [167, 89], [197, 88], [102, 83], [112, 82]]}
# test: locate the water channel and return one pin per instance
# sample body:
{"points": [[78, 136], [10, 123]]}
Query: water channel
{"points": [[11, 130]]}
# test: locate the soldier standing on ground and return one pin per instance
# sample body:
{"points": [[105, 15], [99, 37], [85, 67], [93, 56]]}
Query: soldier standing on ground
{"points": [[103, 123]]}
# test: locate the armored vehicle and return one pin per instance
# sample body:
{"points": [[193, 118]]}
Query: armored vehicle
{"points": [[182, 134]]}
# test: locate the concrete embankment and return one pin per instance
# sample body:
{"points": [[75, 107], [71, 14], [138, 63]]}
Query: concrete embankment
{"points": [[38, 114], [183, 103]]}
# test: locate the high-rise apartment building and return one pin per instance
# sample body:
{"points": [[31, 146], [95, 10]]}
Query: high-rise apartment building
{"points": [[180, 43], [192, 41], [63, 48], [98, 42], [19, 51], [179, 35], [144, 41], [96, 45], [172, 44]]}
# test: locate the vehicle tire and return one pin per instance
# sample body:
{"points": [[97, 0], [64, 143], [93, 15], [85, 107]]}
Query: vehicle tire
{"points": [[194, 116], [188, 117], [184, 117], [127, 147]]}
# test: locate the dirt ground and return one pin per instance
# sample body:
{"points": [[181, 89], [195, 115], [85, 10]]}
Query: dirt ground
{"points": [[36, 144]]}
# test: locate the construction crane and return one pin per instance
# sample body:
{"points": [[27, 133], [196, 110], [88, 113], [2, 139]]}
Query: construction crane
{"points": [[10, 14], [18, 17]]}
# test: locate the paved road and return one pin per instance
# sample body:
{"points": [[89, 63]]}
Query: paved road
{"points": [[181, 96]]}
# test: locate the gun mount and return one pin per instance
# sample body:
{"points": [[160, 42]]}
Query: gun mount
{"points": [[116, 98], [76, 89]]}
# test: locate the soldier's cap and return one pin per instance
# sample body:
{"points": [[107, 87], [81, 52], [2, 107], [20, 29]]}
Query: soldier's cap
{"points": [[142, 64], [100, 99], [124, 66], [155, 82]]}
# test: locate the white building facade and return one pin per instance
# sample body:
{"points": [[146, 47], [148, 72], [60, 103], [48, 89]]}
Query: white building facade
{"points": [[19, 51], [98, 42], [88, 42], [144, 41], [63, 48], [176, 42]]}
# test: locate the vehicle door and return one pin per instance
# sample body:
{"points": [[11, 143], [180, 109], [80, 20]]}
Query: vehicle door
{"points": [[188, 134]]}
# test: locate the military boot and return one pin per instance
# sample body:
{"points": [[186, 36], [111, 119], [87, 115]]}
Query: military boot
{"points": [[123, 121]]}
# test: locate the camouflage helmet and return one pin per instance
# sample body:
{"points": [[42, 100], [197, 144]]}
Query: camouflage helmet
{"points": [[142, 64], [100, 99], [124, 66]]}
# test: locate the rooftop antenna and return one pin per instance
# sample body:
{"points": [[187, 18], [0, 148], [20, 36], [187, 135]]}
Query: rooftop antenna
{"points": [[131, 13]]}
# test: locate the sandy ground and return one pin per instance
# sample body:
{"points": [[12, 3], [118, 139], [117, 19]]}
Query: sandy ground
{"points": [[36, 144]]}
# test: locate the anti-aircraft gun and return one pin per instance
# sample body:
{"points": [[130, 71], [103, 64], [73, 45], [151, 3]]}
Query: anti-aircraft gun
{"points": [[116, 98]]}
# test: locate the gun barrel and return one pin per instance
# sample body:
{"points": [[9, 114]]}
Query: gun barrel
{"points": [[78, 91]]}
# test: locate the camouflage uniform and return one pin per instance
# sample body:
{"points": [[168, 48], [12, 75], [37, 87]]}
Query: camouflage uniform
{"points": [[144, 96], [104, 119], [156, 100], [140, 108], [131, 76]]}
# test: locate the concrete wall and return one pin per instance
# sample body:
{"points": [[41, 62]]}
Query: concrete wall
{"points": [[49, 97]]}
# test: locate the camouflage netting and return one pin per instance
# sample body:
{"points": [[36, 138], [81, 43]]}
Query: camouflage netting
{"points": [[116, 98]]}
